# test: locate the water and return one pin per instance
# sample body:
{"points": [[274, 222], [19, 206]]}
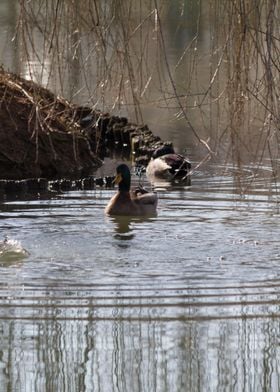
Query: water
{"points": [[185, 301]]}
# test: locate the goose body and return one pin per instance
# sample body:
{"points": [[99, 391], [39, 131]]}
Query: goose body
{"points": [[166, 164], [128, 203]]}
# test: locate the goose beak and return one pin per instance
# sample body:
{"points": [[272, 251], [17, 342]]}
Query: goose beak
{"points": [[117, 179]]}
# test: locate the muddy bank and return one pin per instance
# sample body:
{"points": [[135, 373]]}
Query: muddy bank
{"points": [[13, 189], [39, 133], [44, 136]]}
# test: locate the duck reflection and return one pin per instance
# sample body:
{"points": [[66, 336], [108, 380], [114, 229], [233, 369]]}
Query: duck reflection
{"points": [[124, 226]]}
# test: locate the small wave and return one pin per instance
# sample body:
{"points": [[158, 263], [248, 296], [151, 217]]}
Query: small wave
{"points": [[12, 250]]}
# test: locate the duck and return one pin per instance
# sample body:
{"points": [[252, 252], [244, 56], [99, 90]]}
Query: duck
{"points": [[130, 203], [168, 165]]}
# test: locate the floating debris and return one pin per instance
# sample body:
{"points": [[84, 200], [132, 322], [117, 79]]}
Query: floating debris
{"points": [[12, 250]]}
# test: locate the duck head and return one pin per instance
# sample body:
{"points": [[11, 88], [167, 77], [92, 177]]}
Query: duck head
{"points": [[163, 150], [123, 178]]}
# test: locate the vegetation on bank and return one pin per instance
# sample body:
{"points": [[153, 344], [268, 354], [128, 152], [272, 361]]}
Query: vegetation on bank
{"points": [[208, 67], [43, 135]]}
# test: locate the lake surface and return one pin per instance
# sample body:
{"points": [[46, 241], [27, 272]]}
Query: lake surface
{"points": [[185, 301]]}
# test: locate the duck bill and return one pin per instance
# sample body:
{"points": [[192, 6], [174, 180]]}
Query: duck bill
{"points": [[117, 179]]}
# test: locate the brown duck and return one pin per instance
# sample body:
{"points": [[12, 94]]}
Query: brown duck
{"points": [[128, 203]]}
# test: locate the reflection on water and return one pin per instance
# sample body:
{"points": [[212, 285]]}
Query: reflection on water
{"points": [[124, 225], [185, 301], [138, 356]]}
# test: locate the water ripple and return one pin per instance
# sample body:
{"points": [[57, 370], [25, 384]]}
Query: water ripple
{"points": [[211, 252], [105, 302]]}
